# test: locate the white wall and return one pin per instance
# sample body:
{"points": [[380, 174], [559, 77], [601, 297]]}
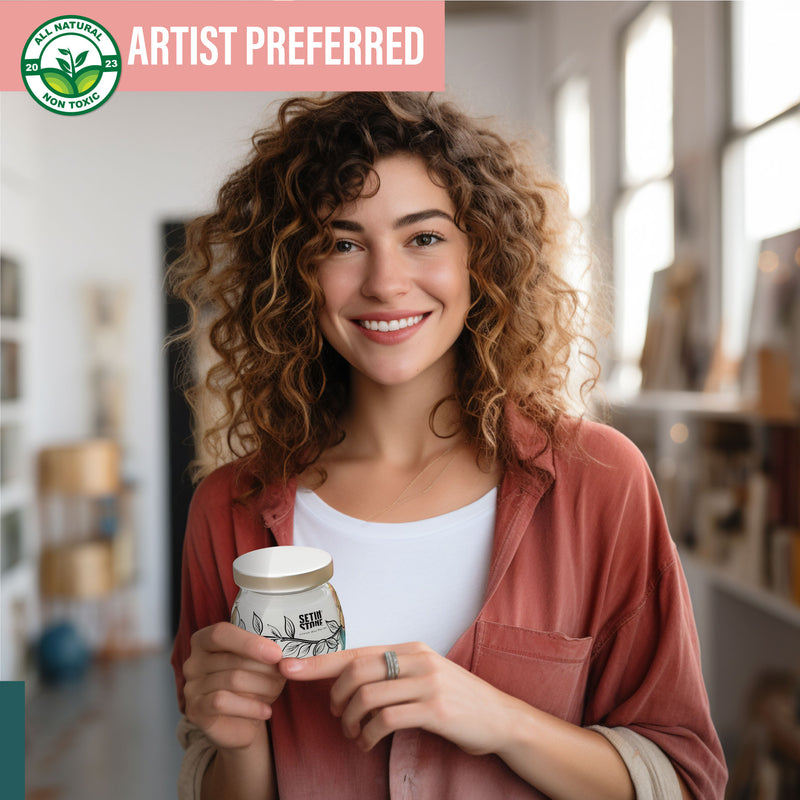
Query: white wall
{"points": [[83, 200], [19, 239], [490, 63]]}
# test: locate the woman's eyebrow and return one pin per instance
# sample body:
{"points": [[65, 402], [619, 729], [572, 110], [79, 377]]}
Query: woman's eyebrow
{"points": [[419, 216], [347, 225], [402, 222]]}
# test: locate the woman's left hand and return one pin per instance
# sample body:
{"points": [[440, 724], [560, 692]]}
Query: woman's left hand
{"points": [[430, 692]]}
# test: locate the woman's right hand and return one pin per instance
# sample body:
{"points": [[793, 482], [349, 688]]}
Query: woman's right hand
{"points": [[232, 680]]}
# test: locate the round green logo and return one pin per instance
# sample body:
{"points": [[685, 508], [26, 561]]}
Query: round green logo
{"points": [[71, 65]]}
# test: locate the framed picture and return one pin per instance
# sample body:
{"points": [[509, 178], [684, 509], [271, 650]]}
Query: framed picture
{"points": [[771, 368], [10, 291], [10, 455], [9, 370], [11, 544]]}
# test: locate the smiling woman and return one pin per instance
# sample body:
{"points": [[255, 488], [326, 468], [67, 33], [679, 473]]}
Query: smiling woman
{"points": [[384, 284]]}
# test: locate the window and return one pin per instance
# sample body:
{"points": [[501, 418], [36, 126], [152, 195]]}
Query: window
{"points": [[574, 163], [761, 161], [766, 76], [573, 143], [644, 239]]}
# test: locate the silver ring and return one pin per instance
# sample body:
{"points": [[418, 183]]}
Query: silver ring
{"points": [[392, 665]]}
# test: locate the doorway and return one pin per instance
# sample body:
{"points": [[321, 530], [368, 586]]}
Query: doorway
{"points": [[180, 441]]}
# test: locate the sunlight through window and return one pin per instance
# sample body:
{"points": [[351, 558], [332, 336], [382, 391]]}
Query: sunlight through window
{"points": [[644, 235], [761, 163]]}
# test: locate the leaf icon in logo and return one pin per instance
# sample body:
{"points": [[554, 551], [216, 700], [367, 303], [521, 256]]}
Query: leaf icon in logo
{"points": [[258, 625], [87, 78], [81, 58], [63, 51], [64, 65], [289, 625], [58, 82]]}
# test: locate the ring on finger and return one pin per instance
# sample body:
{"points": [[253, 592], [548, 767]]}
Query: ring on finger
{"points": [[392, 665]]}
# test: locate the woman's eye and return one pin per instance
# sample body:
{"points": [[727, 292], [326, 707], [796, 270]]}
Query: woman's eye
{"points": [[343, 246], [426, 239]]}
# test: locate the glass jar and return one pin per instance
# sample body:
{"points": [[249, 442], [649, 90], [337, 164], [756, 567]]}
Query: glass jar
{"points": [[285, 595]]}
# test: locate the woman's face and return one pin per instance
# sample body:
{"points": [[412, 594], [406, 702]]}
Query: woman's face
{"points": [[397, 283]]}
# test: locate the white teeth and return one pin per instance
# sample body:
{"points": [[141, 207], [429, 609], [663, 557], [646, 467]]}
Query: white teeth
{"points": [[390, 325]]}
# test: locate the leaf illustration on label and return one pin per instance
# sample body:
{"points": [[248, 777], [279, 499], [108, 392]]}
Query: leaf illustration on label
{"points": [[304, 649], [242, 624], [81, 58], [291, 648], [289, 626], [64, 65], [320, 647], [272, 631], [332, 644], [333, 625], [258, 625]]}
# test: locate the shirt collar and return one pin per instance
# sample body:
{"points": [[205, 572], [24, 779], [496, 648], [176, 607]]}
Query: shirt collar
{"points": [[532, 446]]}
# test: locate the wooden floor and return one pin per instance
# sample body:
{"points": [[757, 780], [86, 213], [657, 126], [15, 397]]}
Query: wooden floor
{"points": [[109, 737]]}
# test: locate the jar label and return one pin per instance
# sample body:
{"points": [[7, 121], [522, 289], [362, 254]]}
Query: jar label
{"points": [[308, 634]]}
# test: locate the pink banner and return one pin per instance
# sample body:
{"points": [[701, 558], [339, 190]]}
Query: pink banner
{"points": [[291, 45]]}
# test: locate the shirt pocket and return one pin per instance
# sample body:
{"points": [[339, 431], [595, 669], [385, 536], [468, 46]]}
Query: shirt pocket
{"points": [[546, 669]]}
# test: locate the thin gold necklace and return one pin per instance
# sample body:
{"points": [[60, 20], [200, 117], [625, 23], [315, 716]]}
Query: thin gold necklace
{"points": [[399, 500]]}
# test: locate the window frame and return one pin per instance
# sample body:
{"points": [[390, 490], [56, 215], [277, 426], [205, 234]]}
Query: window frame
{"points": [[625, 368], [735, 136]]}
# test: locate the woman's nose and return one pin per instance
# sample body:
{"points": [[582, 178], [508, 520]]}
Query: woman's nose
{"points": [[386, 275]]}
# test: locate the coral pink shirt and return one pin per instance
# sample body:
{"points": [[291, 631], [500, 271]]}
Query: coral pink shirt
{"points": [[586, 616]]}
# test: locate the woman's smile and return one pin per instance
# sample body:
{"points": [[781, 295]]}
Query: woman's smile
{"points": [[391, 324]]}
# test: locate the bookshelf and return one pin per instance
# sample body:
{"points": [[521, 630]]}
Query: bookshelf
{"points": [[17, 545], [756, 596], [729, 478]]}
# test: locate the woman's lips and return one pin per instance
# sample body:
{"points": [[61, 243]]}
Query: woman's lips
{"points": [[391, 324], [387, 328]]}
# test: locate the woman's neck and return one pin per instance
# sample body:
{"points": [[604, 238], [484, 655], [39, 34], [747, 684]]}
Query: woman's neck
{"points": [[395, 464], [394, 422]]}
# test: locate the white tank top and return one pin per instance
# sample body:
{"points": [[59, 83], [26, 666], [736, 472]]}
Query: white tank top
{"points": [[399, 582]]}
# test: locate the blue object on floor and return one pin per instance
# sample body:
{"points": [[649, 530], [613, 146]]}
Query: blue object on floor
{"points": [[63, 655]]}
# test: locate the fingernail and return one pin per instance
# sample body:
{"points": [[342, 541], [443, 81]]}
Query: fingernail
{"points": [[292, 665]]}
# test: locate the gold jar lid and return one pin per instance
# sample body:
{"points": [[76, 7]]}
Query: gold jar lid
{"points": [[283, 569]]}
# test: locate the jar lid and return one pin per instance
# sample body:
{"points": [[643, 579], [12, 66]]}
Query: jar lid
{"points": [[283, 569]]}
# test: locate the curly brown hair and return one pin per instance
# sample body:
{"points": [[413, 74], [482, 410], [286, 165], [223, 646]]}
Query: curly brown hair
{"points": [[249, 269]]}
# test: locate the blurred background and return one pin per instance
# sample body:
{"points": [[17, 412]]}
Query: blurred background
{"points": [[676, 128]]}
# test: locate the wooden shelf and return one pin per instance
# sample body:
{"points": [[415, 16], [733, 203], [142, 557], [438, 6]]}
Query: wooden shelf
{"points": [[756, 596], [728, 406], [647, 418]]}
